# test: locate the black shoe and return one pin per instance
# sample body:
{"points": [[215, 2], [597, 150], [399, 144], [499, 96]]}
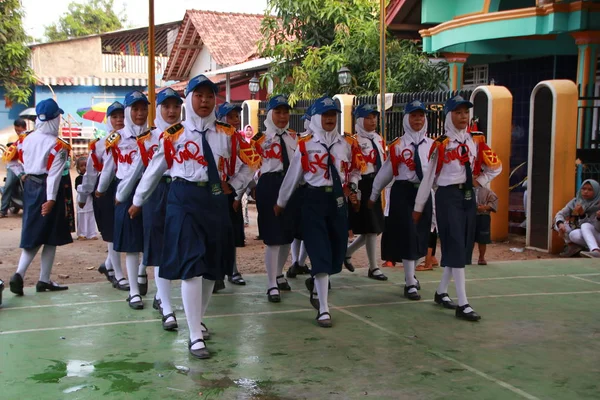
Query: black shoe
{"points": [[200, 353], [283, 285], [471, 316], [51, 287], [143, 286], [121, 286], [418, 284], [324, 323], [169, 326], [274, 298], [293, 271], [237, 279], [1, 290], [136, 305], [380, 277], [304, 270], [411, 295], [16, 284], [205, 332], [106, 272], [314, 298], [439, 299], [156, 304], [348, 264], [219, 285]]}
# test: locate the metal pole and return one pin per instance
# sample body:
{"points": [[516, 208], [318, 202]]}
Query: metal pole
{"points": [[382, 67], [151, 74], [228, 87]]}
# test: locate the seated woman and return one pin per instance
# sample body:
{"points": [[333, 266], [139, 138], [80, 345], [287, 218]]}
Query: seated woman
{"points": [[578, 212]]}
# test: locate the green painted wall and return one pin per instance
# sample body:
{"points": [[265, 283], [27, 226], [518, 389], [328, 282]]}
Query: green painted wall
{"points": [[438, 11]]}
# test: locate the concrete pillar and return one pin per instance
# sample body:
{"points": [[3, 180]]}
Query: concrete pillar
{"points": [[456, 63]]}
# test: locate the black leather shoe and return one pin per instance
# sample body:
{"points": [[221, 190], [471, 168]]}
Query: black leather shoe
{"points": [[470, 316], [219, 285], [16, 284], [304, 270], [205, 331], [156, 304], [51, 287], [324, 323], [200, 353], [106, 272], [275, 297], [1, 290], [283, 285], [348, 264], [418, 284], [293, 271], [169, 326], [411, 295], [380, 277], [314, 298], [117, 284], [134, 303], [143, 286], [237, 279], [449, 304]]}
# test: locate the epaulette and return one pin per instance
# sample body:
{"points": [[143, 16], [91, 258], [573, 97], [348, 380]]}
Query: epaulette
{"points": [[442, 139], [24, 135], [92, 144], [351, 139], [396, 141], [147, 134], [173, 132], [65, 145], [305, 138], [259, 137], [222, 127], [478, 137], [112, 140], [10, 154]]}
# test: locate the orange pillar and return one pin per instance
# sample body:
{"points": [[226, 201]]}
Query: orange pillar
{"points": [[456, 63]]}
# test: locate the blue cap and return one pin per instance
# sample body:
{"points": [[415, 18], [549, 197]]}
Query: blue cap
{"points": [[325, 104], [133, 97], [276, 101], [308, 113], [199, 81], [47, 110], [415, 105], [454, 102], [365, 110], [167, 93], [226, 108], [114, 107]]}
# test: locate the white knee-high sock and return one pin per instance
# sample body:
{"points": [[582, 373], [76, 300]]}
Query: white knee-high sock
{"points": [[322, 286], [191, 294], [115, 260], [27, 256], [459, 281], [296, 244], [358, 242], [163, 292], [271, 259], [132, 261], [207, 291], [371, 244], [445, 281], [142, 271], [48, 253], [303, 255], [108, 265], [284, 251], [235, 268], [409, 273]]}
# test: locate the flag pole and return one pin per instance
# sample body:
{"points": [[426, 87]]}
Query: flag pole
{"points": [[382, 67], [151, 60]]}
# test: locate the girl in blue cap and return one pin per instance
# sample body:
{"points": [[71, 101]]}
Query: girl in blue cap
{"points": [[104, 207], [368, 222], [39, 159], [128, 233], [197, 222], [458, 163], [331, 165], [406, 241], [276, 146]]}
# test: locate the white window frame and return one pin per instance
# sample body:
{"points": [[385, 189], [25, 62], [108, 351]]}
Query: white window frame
{"points": [[477, 75]]}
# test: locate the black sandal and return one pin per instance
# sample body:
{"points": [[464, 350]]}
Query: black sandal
{"points": [[324, 323], [283, 285], [136, 305], [349, 266], [380, 277], [169, 326], [274, 298], [156, 304], [106, 272], [199, 353], [449, 304], [411, 295], [314, 297], [237, 279], [143, 286], [205, 332], [119, 286]]}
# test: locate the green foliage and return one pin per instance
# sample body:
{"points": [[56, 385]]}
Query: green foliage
{"points": [[82, 19], [311, 40], [16, 77]]}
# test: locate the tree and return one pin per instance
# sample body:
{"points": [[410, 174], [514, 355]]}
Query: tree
{"points": [[93, 17], [311, 40], [16, 77]]}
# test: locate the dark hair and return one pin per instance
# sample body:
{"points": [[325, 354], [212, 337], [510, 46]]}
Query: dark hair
{"points": [[20, 122]]}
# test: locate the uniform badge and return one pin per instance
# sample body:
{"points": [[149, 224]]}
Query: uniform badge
{"points": [[340, 202], [216, 189]]}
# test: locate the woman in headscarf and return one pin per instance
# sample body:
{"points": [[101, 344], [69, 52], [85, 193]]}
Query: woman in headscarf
{"points": [[39, 159], [458, 162], [404, 240]]}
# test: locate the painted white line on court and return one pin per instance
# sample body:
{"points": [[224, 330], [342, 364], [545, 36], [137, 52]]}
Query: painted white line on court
{"points": [[583, 279]]}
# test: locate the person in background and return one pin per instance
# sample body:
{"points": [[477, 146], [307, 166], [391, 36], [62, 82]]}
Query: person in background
{"points": [[20, 126], [487, 202], [86, 223], [67, 187]]}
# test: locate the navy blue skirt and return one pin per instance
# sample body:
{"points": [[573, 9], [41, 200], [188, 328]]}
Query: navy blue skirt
{"points": [[197, 233], [273, 230], [483, 224], [366, 220], [153, 214], [456, 225], [403, 240], [53, 229], [325, 230], [237, 222], [104, 211], [128, 233]]}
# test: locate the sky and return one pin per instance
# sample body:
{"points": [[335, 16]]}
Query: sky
{"points": [[38, 13]]}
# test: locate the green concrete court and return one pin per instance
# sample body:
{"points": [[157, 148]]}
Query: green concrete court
{"points": [[539, 339]]}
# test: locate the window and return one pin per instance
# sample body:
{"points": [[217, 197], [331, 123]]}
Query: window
{"points": [[475, 75]]}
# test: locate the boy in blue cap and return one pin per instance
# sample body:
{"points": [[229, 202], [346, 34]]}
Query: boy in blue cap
{"points": [[458, 163], [39, 159], [331, 165]]}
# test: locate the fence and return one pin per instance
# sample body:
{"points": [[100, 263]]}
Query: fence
{"points": [[296, 122], [588, 115]]}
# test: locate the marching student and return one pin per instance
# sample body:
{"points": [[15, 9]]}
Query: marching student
{"points": [[458, 162], [368, 222], [331, 165], [39, 159], [104, 207], [276, 146], [406, 166], [128, 232], [197, 223]]}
